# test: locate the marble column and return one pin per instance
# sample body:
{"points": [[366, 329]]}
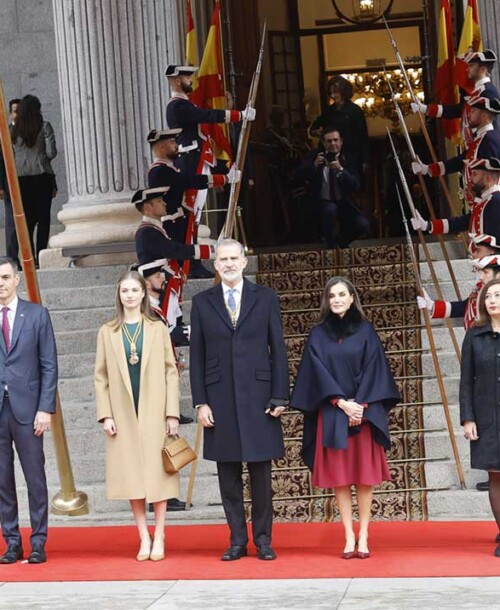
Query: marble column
{"points": [[489, 17], [111, 58]]}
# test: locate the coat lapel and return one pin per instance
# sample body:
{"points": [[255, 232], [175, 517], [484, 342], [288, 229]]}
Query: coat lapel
{"points": [[248, 300], [216, 297], [18, 324], [147, 342], [119, 349]]}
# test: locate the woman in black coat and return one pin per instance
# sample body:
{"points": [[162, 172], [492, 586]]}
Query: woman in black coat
{"points": [[345, 388], [480, 392]]}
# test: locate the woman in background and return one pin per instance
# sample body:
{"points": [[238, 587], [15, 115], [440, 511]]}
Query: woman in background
{"points": [[480, 392], [137, 396], [345, 388], [34, 148]]}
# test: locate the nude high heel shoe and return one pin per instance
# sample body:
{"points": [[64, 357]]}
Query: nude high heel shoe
{"points": [[158, 550], [144, 553]]}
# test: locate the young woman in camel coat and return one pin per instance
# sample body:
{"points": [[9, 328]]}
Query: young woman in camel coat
{"points": [[137, 404]]}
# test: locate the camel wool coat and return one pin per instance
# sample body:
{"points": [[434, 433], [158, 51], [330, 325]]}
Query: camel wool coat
{"points": [[134, 466]]}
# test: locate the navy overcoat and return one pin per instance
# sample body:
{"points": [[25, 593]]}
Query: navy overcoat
{"points": [[236, 371], [480, 394]]}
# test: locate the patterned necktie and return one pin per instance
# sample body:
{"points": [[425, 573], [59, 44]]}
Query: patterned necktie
{"points": [[6, 327], [231, 303]]}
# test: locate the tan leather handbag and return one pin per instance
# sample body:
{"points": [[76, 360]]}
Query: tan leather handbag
{"points": [[176, 453]]}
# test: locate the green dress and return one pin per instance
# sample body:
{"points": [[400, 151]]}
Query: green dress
{"points": [[134, 370]]}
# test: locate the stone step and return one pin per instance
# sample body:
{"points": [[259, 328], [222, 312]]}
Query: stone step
{"points": [[443, 473], [448, 363], [76, 365], [454, 247], [442, 337], [434, 418], [461, 268], [76, 319], [76, 342], [431, 390], [458, 505], [438, 444]]}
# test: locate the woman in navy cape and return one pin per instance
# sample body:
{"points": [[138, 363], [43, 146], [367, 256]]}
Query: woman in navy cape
{"points": [[345, 389]]}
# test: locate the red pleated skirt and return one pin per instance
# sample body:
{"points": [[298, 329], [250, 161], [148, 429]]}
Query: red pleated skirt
{"points": [[362, 463]]}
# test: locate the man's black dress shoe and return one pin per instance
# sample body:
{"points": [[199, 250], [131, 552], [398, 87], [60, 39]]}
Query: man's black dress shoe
{"points": [[266, 553], [198, 272], [234, 552], [185, 420], [37, 554], [175, 504], [496, 552], [497, 539], [12, 554], [483, 486]]}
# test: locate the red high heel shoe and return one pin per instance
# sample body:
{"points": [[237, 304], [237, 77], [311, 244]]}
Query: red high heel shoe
{"points": [[350, 554]]}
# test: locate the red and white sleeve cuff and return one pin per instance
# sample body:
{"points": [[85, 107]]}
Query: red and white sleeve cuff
{"points": [[439, 226], [215, 180], [233, 116], [442, 309], [203, 252], [437, 169], [435, 111]]}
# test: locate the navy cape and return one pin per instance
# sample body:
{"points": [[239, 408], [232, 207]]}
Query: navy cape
{"points": [[355, 368]]}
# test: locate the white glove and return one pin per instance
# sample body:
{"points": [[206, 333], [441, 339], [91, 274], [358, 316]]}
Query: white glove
{"points": [[234, 174], [418, 223], [425, 302], [418, 107], [248, 114], [417, 167]]}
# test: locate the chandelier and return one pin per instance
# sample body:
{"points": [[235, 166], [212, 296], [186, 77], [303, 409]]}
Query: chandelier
{"points": [[373, 95], [362, 12]]}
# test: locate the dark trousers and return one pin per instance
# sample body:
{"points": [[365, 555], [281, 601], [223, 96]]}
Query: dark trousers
{"points": [[11, 245], [36, 192], [231, 491], [29, 448], [341, 223]]}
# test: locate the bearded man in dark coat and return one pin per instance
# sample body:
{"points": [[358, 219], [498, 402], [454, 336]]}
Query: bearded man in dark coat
{"points": [[240, 386]]}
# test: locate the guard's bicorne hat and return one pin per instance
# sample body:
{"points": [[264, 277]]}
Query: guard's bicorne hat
{"points": [[151, 268], [491, 165], [155, 135], [173, 70], [143, 195], [492, 241], [484, 100], [486, 57], [487, 262]]}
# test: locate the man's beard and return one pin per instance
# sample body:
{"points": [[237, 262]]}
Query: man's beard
{"points": [[186, 88], [478, 189], [173, 155]]}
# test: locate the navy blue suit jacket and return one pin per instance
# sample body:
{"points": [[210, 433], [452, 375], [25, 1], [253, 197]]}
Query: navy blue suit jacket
{"points": [[29, 369]]}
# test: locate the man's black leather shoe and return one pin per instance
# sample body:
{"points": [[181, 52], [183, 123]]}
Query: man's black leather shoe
{"points": [[483, 486], [234, 552], [266, 553], [185, 420], [497, 539], [175, 504], [37, 554], [13, 553]]}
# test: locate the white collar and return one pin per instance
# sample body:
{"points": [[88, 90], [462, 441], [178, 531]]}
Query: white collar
{"points": [[481, 82], [154, 302], [153, 221], [168, 162], [179, 94], [482, 130], [488, 192], [238, 288], [12, 305]]}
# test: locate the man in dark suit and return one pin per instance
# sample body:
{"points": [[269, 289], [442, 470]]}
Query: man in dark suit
{"points": [[28, 383], [240, 387], [333, 178]]}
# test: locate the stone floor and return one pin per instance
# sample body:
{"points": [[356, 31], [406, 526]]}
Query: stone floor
{"points": [[342, 594]]}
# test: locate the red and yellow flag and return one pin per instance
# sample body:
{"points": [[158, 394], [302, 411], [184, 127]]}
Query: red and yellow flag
{"points": [[209, 92], [470, 40], [191, 44], [445, 86]]}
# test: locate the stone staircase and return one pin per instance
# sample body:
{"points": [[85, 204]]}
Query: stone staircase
{"points": [[80, 300], [449, 502]]}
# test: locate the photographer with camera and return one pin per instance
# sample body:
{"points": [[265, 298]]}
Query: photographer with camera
{"points": [[332, 179]]}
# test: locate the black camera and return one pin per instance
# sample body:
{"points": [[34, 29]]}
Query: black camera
{"points": [[330, 156]]}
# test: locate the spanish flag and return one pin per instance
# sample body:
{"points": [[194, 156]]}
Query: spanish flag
{"points": [[470, 40], [445, 87], [209, 92]]}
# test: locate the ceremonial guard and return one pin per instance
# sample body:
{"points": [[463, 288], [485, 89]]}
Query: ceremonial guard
{"points": [[484, 215], [487, 266], [484, 145], [478, 66], [164, 173]]}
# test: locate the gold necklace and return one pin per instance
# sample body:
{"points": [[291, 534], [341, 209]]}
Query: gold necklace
{"points": [[134, 356]]}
